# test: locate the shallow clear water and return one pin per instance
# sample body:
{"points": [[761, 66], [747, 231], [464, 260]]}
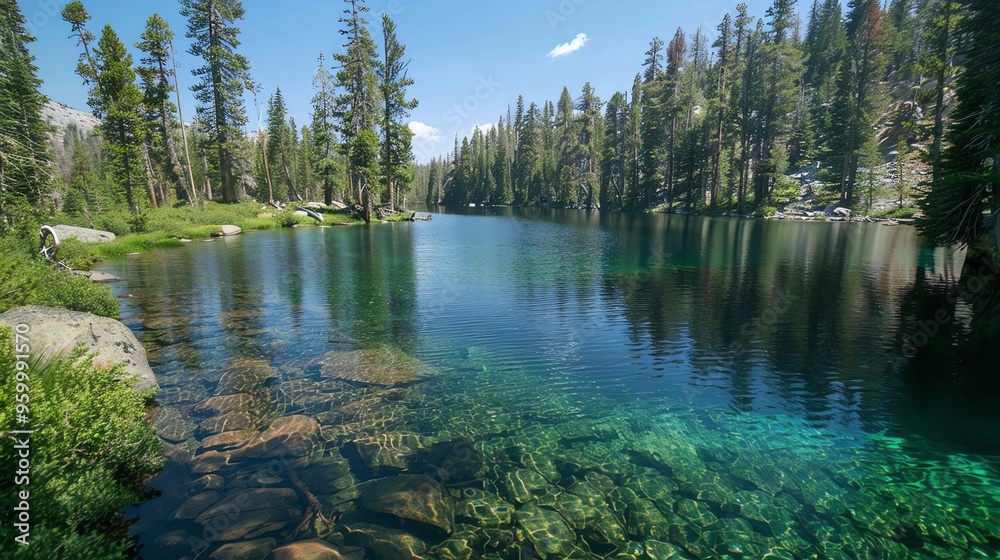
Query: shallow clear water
{"points": [[749, 380]]}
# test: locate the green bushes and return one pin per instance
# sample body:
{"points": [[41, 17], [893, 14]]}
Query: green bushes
{"points": [[91, 452], [904, 213], [26, 280]]}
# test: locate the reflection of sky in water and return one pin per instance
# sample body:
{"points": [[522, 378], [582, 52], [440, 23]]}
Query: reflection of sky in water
{"points": [[751, 349]]}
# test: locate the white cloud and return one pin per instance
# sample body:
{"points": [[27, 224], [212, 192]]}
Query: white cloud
{"points": [[576, 44], [425, 132]]}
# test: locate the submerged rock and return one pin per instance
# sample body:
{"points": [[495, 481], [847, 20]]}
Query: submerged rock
{"points": [[229, 422], [173, 426], [646, 522], [451, 461], [383, 366], [327, 475], [250, 513], [383, 543], [196, 505], [523, 486], [414, 497], [289, 436], [484, 509], [388, 453], [257, 549], [546, 530], [461, 546], [247, 376], [207, 482], [318, 549], [226, 441]]}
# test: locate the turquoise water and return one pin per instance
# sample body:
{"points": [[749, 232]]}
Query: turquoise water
{"points": [[584, 386]]}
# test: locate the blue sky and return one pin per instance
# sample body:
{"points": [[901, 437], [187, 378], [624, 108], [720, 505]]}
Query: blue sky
{"points": [[470, 59]]}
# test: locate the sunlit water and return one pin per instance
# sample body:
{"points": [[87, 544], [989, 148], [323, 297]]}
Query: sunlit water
{"points": [[752, 380]]}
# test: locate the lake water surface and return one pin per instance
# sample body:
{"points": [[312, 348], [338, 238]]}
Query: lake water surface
{"points": [[569, 385]]}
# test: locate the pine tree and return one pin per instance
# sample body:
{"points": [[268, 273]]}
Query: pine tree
{"points": [[396, 135], [781, 67], [653, 134], [967, 179], [725, 46], [155, 73], [676, 52], [615, 153], [304, 165], [860, 95], [359, 102], [569, 151], [25, 160], [591, 140], [519, 174], [943, 18], [324, 106], [81, 195], [357, 73], [634, 144], [117, 101], [224, 78], [279, 145]]}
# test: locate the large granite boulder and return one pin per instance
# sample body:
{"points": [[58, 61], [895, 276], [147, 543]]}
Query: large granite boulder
{"points": [[84, 235], [57, 332]]}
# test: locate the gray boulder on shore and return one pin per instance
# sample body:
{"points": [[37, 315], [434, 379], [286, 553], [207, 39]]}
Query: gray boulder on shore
{"points": [[57, 332], [84, 235]]}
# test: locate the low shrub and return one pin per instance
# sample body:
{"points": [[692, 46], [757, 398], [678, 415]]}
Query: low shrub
{"points": [[28, 280], [91, 452]]}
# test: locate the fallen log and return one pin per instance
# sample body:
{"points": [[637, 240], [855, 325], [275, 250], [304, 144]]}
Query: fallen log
{"points": [[312, 213]]}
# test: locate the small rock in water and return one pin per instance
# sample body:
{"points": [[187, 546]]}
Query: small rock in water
{"points": [[318, 549], [384, 542], [257, 549], [207, 482]]}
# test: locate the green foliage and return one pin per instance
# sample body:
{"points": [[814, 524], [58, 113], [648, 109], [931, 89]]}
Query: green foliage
{"points": [[861, 95], [287, 218], [279, 142], [904, 213], [223, 79], [396, 136], [91, 452], [25, 158], [156, 73], [786, 190], [326, 162], [364, 158], [966, 181], [117, 101], [357, 73], [27, 280]]}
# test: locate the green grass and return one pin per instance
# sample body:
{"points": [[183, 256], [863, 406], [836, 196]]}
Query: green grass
{"points": [[159, 228], [28, 280]]}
